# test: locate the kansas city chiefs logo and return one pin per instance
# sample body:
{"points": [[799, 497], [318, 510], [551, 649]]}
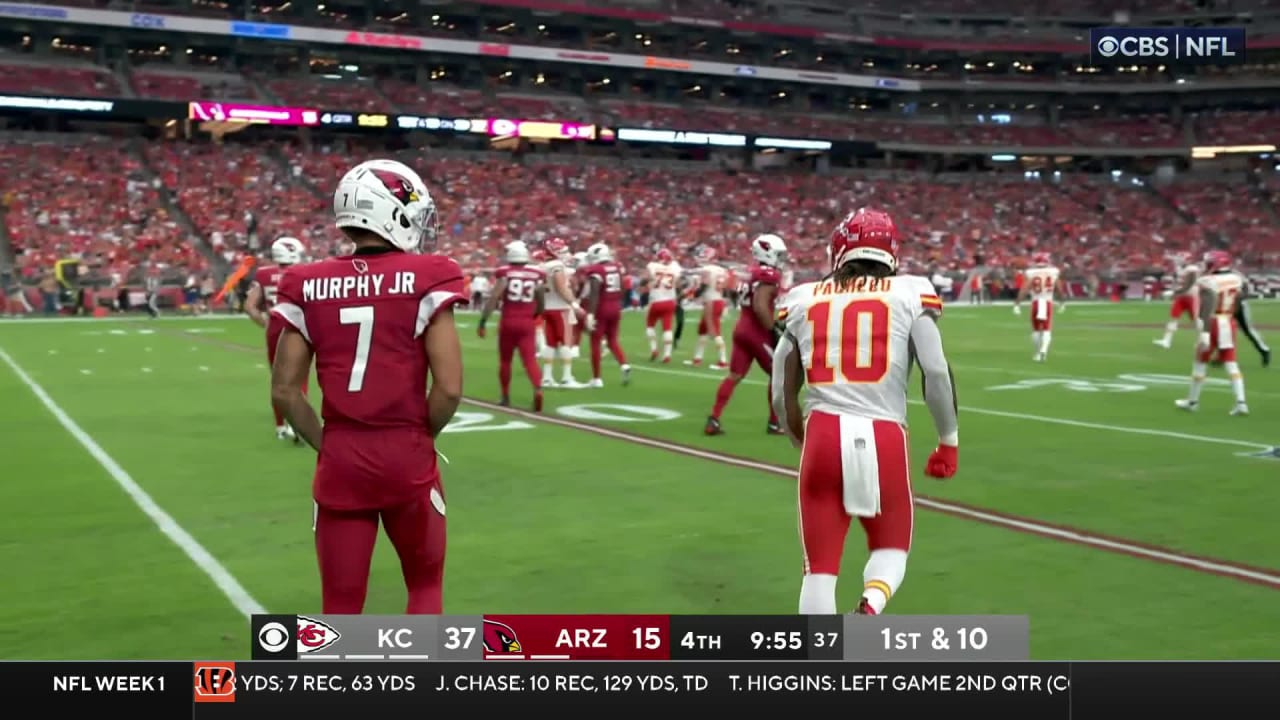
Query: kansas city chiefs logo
{"points": [[315, 635]]}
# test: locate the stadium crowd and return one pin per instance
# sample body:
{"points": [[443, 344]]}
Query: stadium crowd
{"points": [[98, 200]]}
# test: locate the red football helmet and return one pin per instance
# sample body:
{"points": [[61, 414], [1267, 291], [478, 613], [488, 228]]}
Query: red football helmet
{"points": [[1217, 260], [556, 247], [865, 234], [665, 256], [1041, 259]]}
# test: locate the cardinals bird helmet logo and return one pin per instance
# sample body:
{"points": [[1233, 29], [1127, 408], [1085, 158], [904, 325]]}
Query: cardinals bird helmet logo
{"points": [[499, 638], [400, 188]]}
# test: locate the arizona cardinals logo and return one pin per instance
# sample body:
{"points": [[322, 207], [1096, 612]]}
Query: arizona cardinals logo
{"points": [[360, 265], [400, 188], [500, 638]]}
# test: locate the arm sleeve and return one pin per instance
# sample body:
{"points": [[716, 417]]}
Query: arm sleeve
{"points": [[445, 288], [289, 303], [939, 392]]}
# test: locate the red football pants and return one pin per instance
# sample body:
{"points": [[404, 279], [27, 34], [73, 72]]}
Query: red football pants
{"points": [[824, 522], [344, 547], [513, 339], [606, 330]]}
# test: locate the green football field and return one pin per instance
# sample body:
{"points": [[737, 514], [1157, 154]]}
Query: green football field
{"points": [[149, 505]]}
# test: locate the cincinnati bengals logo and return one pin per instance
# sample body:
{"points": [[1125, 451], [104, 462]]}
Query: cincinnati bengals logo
{"points": [[499, 638], [400, 188], [215, 682]]}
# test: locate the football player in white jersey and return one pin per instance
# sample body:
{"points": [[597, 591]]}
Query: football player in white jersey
{"points": [[562, 312], [852, 338], [713, 278], [664, 283], [1042, 285], [1221, 290], [1186, 298]]}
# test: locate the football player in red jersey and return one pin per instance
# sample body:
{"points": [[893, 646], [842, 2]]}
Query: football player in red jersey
{"points": [[285, 251], [852, 337], [520, 289], [604, 309], [753, 337], [376, 322]]}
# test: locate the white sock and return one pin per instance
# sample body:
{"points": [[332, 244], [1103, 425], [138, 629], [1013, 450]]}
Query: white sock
{"points": [[818, 595], [882, 577], [1035, 340], [653, 339], [547, 370], [702, 346], [1044, 342], [1237, 381], [566, 363], [668, 339], [720, 349], [1169, 329], [1197, 381]]}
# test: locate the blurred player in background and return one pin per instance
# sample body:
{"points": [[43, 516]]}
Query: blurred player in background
{"points": [[603, 278], [285, 252], [1186, 298], [664, 282], [753, 335], [1221, 289], [852, 338], [562, 312], [376, 322], [578, 283], [1041, 283], [1255, 338], [713, 278], [520, 290]]}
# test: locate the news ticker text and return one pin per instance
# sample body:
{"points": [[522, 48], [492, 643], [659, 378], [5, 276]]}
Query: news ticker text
{"points": [[639, 637], [265, 689]]}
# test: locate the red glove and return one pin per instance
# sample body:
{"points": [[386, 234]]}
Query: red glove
{"points": [[942, 462], [480, 331]]}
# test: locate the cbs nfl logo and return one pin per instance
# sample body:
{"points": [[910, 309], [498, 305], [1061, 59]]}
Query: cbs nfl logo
{"points": [[1117, 46]]}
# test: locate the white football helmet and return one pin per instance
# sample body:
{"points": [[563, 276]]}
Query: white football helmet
{"points": [[388, 199], [768, 249], [286, 251], [517, 253], [599, 253]]}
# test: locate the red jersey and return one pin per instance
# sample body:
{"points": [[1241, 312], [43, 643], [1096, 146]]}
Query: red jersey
{"points": [[364, 317], [609, 274], [761, 275], [268, 277], [520, 301]]}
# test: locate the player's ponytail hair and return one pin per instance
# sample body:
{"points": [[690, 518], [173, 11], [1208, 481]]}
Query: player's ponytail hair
{"points": [[854, 269]]}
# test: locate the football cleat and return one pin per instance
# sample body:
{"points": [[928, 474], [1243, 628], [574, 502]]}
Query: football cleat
{"points": [[1162, 343], [713, 427], [694, 362], [1188, 405], [864, 608], [548, 382], [653, 356], [595, 383], [774, 428], [537, 401], [666, 360], [505, 401], [284, 432], [1266, 358], [720, 366], [1240, 409], [1038, 357], [626, 375]]}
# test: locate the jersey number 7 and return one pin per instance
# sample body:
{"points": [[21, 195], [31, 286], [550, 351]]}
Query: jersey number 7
{"points": [[860, 337], [363, 317]]}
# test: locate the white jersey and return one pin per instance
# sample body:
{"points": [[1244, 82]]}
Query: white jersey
{"points": [[664, 279], [552, 268], [1041, 281], [1188, 275], [714, 278], [1224, 289], [854, 342]]}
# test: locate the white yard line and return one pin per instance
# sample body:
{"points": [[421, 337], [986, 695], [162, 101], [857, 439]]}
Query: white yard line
{"points": [[208, 564]]}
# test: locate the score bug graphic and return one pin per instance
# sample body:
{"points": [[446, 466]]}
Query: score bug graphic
{"points": [[561, 637], [286, 637]]}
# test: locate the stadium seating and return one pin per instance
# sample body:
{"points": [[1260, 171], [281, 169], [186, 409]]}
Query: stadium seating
{"points": [[165, 83], [88, 199], [334, 94], [57, 79]]}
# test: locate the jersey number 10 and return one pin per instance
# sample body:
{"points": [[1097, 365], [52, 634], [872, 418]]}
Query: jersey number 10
{"points": [[860, 335]]}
